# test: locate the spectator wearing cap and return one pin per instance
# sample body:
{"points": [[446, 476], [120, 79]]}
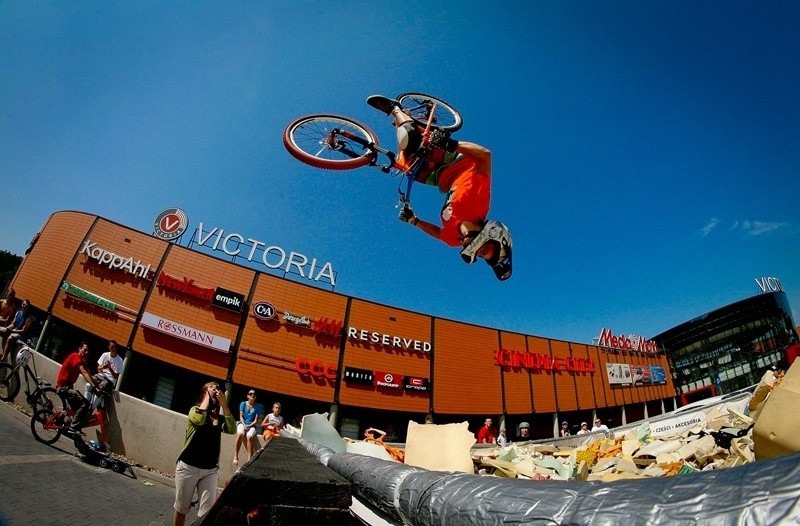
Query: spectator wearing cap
{"points": [[564, 432], [599, 426], [584, 428], [524, 431]]}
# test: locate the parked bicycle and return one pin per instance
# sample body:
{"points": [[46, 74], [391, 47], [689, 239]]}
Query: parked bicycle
{"points": [[334, 142], [43, 397]]}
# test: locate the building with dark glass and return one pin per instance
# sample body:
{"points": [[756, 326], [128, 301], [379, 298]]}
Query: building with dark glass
{"points": [[731, 347]]}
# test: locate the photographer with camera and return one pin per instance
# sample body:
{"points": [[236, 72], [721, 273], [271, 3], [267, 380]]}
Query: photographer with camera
{"points": [[198, 463]]}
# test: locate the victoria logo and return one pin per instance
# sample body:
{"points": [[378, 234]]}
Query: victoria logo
{"points": [[171, 224], [263, 311]]}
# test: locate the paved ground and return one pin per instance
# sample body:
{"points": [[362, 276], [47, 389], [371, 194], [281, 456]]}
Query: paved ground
{"points": [[49, 485]]}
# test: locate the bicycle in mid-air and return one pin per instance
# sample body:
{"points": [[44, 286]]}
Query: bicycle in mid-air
{"points": [[334, 142], [43, 397]]}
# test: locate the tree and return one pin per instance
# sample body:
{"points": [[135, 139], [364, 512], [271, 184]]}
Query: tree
{"points": [[9, 263]]}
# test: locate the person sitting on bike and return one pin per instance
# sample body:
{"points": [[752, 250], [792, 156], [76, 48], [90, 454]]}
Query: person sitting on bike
{"points": [[73, 367], [19, 329], [462, 170]]}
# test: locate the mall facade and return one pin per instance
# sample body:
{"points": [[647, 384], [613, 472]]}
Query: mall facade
{"points": [[731, 347], [184, 316]]}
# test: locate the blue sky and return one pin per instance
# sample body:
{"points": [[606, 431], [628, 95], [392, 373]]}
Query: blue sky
{"points": [[646, 154]]}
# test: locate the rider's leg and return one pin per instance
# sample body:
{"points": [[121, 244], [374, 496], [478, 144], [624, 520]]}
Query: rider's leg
{"points": [[80, 415]]}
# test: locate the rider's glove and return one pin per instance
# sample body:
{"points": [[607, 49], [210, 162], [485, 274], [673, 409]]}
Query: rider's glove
{"points": [[407, 215], [441, 139]]}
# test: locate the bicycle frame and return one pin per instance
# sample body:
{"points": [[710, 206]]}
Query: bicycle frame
{"points": [[97, 418], [411, 174]]}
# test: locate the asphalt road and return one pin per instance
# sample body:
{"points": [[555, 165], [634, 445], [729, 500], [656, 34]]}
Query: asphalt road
{"points": [[49, 485]]}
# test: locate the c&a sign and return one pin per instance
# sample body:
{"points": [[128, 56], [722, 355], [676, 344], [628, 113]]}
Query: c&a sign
{"points": [[542, 362]]}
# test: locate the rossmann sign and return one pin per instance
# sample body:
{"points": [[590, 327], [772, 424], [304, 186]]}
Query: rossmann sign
{"points": [[626, 343]]}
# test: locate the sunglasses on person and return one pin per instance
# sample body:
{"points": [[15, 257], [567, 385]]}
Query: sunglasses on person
{"points": [[251, 394]]}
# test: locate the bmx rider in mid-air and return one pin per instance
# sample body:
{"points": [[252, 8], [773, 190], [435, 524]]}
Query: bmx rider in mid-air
{"points": [[462, 170]]}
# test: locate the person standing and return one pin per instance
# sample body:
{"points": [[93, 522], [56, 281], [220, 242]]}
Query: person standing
{"points": [[249, 414], [198, 464], [73, 367], [502, 440], [584, 428], [486, 434]]}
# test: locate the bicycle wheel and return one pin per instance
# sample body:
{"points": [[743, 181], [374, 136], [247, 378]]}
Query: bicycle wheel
{"points": [[45, 427], [418, 106], [330, 142], [47, 398], [9, 382]]}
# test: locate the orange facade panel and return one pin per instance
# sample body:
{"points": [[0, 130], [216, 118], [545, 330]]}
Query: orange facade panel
{"points": [[291, 338], [516, 379], [584, 378], [564, 380], [467, 379], [390, 341], [544, 390], [182, 301], [39, 278], [599, 380], [114, 264]]}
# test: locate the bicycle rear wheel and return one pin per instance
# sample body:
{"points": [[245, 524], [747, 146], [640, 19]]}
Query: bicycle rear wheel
{"points": [[9, 382], [45, 426], [419, 105], [330, 142]]}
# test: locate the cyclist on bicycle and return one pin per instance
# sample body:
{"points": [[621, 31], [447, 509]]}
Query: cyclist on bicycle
{"points": [[74, 366], [462, 170]]}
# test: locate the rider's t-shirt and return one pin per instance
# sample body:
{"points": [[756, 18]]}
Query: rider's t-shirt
{"points": [[468, 197], [70, 370]]}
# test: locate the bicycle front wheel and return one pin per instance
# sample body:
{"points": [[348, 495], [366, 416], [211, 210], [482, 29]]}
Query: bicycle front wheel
{"points": [[47, 398], [330, 142], [45, 426], [9, 382], [419, 106]]}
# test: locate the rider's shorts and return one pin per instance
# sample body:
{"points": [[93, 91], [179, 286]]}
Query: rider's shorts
{"points": [[467, 199]]}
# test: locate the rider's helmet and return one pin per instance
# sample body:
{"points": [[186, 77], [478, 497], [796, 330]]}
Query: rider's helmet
{"points": [[497, 233], [23, 356]]}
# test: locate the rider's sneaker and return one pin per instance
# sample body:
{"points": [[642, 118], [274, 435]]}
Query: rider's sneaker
{"points": [[384, 104], [77, 432]]}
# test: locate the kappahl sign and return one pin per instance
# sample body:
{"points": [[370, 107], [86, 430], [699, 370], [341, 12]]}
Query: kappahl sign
{"points": [[115, 261]]}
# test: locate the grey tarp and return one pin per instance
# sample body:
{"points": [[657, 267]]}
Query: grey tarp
{"points": [[761, 493]]}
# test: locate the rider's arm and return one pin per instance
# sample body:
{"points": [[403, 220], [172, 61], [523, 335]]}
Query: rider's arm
{"points": [[88, 377], [482, 156], [429, 228]]}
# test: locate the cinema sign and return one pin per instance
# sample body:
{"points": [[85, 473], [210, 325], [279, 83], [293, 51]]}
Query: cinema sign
{"points": [[542, 362]]}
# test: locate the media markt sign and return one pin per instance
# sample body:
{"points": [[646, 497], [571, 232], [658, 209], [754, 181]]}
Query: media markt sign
{"points": [[171, 224]]}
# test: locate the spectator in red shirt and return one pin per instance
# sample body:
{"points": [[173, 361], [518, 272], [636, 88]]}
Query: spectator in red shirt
{"points": [[73, 367], [487, 434]]}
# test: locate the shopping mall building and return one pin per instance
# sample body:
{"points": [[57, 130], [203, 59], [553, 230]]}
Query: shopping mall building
{"points": [[228, 307]]}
